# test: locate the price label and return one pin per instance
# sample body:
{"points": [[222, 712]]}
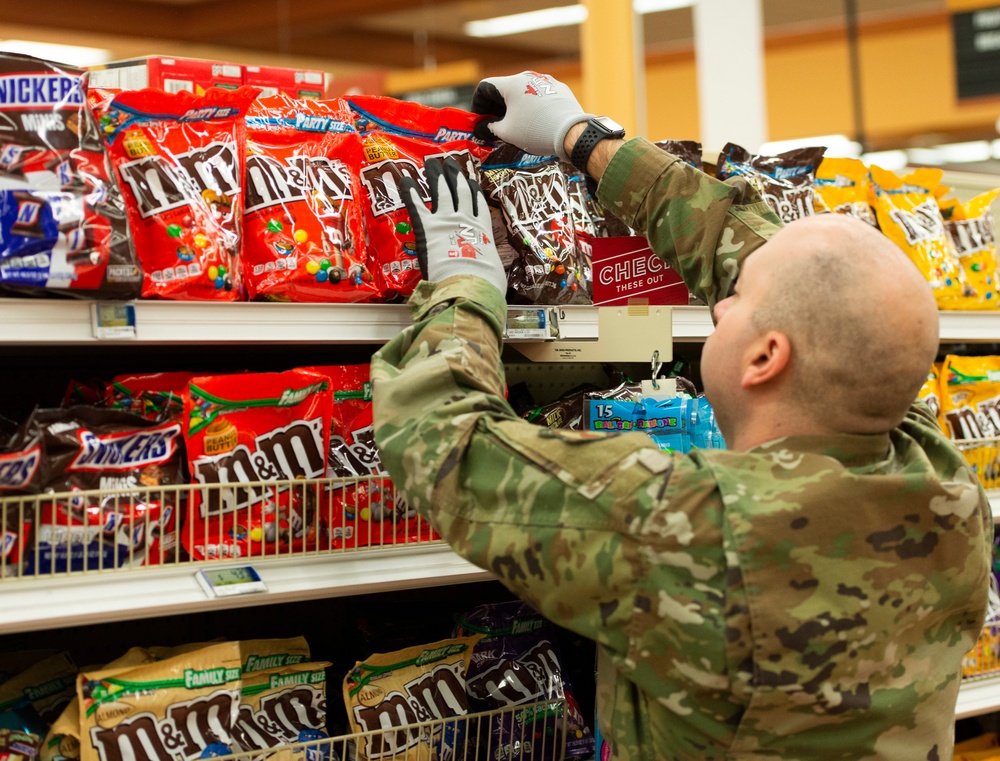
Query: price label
{"points": [[113, 321], [532, 323], [234, 580]]}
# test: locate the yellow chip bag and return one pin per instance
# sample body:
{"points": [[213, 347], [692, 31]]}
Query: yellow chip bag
{"points": [[970, 227], [970, 406], [842, 186], [907, 212]]}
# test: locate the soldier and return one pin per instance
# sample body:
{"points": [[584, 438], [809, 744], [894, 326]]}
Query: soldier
{"points": [[808, 593]]}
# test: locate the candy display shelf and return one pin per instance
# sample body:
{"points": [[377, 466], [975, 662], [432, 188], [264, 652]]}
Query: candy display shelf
{"points": [[30, 604], [978, 696], [59, 321]]}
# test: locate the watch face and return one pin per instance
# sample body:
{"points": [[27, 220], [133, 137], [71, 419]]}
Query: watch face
{"points": [[610, 124]]}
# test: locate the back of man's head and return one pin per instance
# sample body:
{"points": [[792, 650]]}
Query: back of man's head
{"points": [[860, 317]]}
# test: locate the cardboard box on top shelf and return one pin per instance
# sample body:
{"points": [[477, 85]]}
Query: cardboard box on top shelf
{"points": [[167, 73], [306, 84]]}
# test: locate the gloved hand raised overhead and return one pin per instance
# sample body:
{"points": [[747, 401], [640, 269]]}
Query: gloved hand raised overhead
{"points": [[534, 112], [454, 236]]}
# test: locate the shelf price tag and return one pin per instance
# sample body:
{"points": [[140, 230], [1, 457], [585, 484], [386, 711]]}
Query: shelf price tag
{"points": [[234, 580], [532, 323], [113, 321]]}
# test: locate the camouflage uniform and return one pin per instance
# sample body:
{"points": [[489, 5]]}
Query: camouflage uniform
{"points": [[809, 599]]}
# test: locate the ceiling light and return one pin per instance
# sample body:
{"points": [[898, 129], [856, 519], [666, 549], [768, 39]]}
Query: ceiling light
{"points": [[548, 18], [72, 55]]}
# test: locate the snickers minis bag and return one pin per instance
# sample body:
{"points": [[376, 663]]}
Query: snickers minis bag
{"points": [[102, 467], [181, 158], [63, 227], [397, 138], [173, 710], [253, 429]]}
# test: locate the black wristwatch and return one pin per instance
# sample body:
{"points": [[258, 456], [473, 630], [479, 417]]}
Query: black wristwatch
{"points": [[598, 128]]}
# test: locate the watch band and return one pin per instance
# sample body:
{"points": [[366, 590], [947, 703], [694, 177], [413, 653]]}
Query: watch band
{"points": [[594, 133]]}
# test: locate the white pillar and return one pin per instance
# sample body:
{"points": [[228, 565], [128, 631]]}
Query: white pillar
{"points": [[729, 52]]}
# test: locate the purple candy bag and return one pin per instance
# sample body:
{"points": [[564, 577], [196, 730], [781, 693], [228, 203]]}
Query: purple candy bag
{"points": [[517, 663]]}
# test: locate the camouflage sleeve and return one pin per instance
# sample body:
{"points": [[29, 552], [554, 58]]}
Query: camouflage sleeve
{"points": [[546, 511], [702, 227]]}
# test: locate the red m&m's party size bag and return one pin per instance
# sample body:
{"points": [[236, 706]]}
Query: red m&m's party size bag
{"points": [[398, 136], [180, 161], [304, 237]]}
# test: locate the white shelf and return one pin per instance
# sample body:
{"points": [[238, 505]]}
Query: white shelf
{"points": [[68, 321], [35, 603], [978, 697]]}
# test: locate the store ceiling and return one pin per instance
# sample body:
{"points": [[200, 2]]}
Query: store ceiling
{"points": [[395, 34]]}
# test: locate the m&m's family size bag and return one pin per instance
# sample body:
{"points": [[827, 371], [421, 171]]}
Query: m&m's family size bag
{"points": [[364, 507], [397, 137], [304, 237], [62, 218], [180, 160], [254, 429], [154, 396]]}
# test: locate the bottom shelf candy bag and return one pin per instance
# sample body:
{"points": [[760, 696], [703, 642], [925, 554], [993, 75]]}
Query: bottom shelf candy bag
{"points": [[518, 662]]}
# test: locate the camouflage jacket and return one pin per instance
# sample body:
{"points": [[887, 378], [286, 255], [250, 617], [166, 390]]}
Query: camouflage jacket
{"points": [[809, 599]]}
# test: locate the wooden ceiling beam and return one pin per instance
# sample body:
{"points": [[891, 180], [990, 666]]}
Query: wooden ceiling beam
{"points": [[96, 16], [230, 18]]}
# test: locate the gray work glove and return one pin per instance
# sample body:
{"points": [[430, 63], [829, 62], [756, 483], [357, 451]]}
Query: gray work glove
{"points": [[533, 111], [455, 236]]}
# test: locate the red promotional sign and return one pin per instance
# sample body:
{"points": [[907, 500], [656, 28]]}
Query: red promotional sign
{"points": [[626, 269]]}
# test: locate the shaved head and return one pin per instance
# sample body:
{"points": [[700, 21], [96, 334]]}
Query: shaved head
{"points": [[861, 319]]}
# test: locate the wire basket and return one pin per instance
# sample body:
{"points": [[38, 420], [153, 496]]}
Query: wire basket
{"points": [[100, 531], [531, 732]]}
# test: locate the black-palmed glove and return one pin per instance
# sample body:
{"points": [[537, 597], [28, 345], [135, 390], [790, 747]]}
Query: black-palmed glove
{"points": [[533, 111], [454, 236]]}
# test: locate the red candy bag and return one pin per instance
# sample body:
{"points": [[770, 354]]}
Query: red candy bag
{"points": [[251, 428], [180, 159], [154, 396], [304, 235], [368, 511], [398, 136]]}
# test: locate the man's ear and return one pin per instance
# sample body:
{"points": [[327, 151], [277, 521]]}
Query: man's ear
{"points": [[766, 359]]}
